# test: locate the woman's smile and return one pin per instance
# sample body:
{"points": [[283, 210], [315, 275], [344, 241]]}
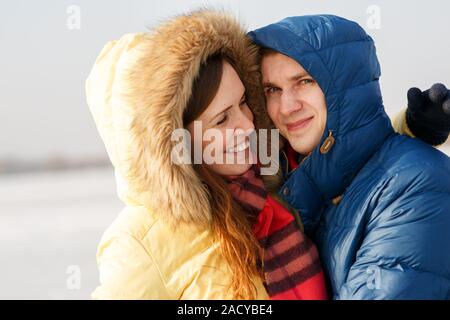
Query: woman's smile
{"points": [[239, 148]]}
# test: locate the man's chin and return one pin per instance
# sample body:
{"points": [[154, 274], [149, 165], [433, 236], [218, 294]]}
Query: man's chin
{"points": [[299, 146], [295, 142]]}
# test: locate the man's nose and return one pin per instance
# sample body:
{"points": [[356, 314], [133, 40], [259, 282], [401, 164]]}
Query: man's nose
{"points": [[289, 103]]}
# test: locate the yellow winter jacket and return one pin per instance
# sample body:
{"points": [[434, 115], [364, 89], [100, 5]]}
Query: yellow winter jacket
{"points": [[159, 246]]}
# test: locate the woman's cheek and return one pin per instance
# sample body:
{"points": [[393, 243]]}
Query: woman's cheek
{"points": [[214, 147], [249, 114]]}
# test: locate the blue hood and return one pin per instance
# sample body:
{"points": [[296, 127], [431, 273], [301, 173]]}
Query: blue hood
{"points": [[341, 57]]}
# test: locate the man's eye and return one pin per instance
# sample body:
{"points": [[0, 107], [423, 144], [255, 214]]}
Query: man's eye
{"points": [[271, 90], [306, 81]]}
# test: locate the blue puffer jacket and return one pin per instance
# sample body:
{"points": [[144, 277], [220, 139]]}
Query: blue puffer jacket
{"points": [[389, 236]]}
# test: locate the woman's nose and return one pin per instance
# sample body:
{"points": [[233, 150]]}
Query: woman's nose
{"points": [[246, 124], [245, 120]]}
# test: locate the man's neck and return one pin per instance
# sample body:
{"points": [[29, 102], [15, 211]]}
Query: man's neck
{"points": [[294, 158]]}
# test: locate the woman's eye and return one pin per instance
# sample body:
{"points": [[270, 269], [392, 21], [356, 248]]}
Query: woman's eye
{"points": [[243, 102], [222, 120]]}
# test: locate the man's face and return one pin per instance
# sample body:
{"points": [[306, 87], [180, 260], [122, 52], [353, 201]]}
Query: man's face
{"points": [[295, 102]]}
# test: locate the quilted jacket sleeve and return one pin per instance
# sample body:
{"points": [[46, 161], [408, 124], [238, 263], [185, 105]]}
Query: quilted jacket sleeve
{"points": [[127, 271], [404, 253]]}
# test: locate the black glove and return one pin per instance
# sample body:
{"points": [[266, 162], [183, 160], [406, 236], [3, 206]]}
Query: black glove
{"points": [[428, 113]]}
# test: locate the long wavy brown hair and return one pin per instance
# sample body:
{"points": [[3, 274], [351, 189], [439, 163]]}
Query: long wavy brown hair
{"points": [[231, 225]]}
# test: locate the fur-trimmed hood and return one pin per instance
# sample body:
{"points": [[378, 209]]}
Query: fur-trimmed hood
{"points": [[137, 92]]}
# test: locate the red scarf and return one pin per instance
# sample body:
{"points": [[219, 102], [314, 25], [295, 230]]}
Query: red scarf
{"points": [[292, 268]]}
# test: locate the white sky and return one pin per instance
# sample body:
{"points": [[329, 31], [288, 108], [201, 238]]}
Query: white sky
{"points": [[43, 64]]}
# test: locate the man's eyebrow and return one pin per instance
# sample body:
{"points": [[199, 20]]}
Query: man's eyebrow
{"points": [[298, 76], [268, 84], [295, 77]]}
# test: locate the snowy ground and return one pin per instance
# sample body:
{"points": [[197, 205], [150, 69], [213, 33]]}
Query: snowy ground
{"points": [[50, 222]]}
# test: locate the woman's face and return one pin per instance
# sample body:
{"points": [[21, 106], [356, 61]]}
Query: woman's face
{"points": [[225, 125]]}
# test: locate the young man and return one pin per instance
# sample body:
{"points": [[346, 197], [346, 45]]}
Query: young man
{"points": [[377, 203]]}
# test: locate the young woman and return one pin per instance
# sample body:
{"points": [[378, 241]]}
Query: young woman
{"points": [[200, 231], [191, 231]]}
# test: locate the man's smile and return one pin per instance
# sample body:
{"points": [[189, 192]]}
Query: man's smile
{"points": [[299, 124]]}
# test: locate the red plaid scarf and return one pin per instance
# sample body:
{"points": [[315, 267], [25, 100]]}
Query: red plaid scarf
{"points": [[292, 268]]}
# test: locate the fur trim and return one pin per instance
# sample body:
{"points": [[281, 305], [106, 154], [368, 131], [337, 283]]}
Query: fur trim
{"points": [[150, 84]]}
